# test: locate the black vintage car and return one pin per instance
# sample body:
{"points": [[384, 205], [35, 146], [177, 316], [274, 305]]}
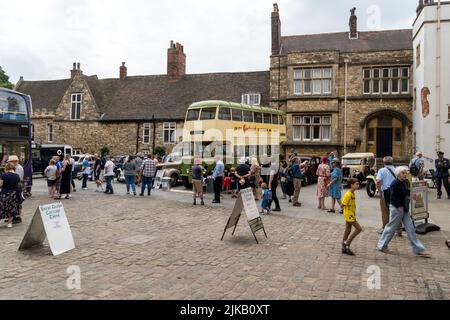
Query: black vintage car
{"points": [[310, 177]]}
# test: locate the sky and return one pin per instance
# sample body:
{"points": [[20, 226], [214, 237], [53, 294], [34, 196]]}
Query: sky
{"points": [[40, 40]]}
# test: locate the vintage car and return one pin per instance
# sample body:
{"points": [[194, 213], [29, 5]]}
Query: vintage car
{"points": [[361, 166], [310, 176], [172, 168]]}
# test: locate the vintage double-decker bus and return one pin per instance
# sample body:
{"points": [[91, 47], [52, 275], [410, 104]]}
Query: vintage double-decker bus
{"points": [[231, 130], [15, 131]]}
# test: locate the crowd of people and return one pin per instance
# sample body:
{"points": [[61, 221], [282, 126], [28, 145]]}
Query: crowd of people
{"points": [[137, 172], [263, 179]]}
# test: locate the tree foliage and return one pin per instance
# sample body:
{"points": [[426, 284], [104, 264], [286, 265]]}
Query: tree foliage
{"points": [[4, 80], [160, 151]]}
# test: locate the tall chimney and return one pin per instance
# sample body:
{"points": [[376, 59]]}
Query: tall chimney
{"points": [[276, 30], [76, 70], [123, 71], [176, 62], [353, 25]]}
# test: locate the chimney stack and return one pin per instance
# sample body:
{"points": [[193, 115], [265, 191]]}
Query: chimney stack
{"points": [[123, 71], [176, 62], [76, 70], [353, 25], [276, 31]]}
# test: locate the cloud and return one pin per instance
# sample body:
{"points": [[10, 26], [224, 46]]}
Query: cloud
{"points": [[41, 39]]}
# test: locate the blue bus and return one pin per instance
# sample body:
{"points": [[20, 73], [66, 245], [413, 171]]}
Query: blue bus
{"points": [[15, 132]]}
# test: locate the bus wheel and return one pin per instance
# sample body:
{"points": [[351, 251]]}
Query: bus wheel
{"points": [[186, 183]]}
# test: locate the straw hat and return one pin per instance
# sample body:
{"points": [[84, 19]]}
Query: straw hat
{"points": [[13, 158]]}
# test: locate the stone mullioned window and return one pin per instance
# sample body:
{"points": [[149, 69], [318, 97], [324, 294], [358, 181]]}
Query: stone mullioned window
{"points": [[313, 81], [311, 127], [386, 80]]}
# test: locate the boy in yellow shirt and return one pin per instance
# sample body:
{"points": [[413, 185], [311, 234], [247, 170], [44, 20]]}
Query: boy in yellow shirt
{"points": [[349, 204]]}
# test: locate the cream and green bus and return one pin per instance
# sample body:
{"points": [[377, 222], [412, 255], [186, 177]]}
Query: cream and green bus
{"points": [[232, 131]]}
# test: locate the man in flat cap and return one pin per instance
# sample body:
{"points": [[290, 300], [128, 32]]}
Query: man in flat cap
{"points": [[442, 165]]}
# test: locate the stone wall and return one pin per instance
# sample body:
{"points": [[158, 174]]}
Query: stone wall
{"points": [[359, 106]]}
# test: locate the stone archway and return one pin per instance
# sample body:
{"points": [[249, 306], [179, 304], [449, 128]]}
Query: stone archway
{"points": [[386, 133]]}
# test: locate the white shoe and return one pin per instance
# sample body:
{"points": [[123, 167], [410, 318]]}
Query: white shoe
{"points": [[9, 225]]}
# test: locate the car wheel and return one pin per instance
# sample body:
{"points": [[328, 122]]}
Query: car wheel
{"points": [[173, 180], [371, 188]]}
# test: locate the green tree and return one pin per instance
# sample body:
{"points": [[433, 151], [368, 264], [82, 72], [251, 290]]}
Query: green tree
{"points": [[4, 80], [160, 151], [104, 150]]}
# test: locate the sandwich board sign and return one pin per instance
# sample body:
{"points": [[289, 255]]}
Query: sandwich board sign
{"points": [[158, 178], [49, 221], [246, 202]]}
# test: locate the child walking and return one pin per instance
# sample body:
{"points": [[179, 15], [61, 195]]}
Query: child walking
{"points": [[233, 183], [349, 205], [266, 195]]}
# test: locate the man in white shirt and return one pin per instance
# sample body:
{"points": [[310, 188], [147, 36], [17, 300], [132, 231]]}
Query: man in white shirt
{"points": [[385, 177], [109, 174]]}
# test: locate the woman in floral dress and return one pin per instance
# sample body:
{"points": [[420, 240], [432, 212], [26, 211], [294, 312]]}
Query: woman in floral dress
{"points": [[323, 175]]}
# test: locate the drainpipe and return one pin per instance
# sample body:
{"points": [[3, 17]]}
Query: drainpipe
{"points": [[154, 132], [137, 138], [345, 105], [438, 77]]}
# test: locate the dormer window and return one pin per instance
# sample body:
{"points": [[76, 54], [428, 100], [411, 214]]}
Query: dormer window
{"points": [[251, 99], [75, 112]]}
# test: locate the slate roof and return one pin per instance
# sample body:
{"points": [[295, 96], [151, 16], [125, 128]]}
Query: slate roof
{"points": [[45, 94], [141, 97], [367, 41]]}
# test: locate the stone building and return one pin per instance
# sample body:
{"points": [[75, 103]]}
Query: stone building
{"points": [[345, 92], [131, 114], [431, 43]]}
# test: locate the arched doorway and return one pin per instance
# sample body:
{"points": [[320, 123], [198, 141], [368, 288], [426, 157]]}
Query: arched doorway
{"points": [[386, 133]]}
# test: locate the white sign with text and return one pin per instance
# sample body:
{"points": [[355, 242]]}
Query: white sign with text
{"points": [[49, 220], [248, 200]]}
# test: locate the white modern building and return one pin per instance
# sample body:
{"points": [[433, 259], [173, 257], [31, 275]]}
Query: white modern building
{"points": [[431, 111]]}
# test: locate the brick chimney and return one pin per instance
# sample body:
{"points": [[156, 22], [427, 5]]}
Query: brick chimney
{"points": [[76, 70], [276, 30], [353, 25], [123, 71], [176, 62]]}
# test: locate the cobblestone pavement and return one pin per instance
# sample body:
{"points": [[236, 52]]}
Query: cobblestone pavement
{"points": [[151, 248]]}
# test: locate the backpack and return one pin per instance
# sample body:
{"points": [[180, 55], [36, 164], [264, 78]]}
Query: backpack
{"points": [[414, 169], [267, 194]]}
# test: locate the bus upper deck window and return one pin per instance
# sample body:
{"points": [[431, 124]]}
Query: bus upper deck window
{"points": [[192, 115], [267, 118], [208, 114], [237, 115], [248, 116], [224, 113], [274, 119], [258, 116]]}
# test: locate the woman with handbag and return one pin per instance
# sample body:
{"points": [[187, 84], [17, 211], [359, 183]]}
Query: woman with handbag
{"points": [[66, 176], [9, 199], [323, 179]]}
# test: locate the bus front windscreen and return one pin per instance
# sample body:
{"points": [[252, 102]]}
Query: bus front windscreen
{"points": [[12, 107]]}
